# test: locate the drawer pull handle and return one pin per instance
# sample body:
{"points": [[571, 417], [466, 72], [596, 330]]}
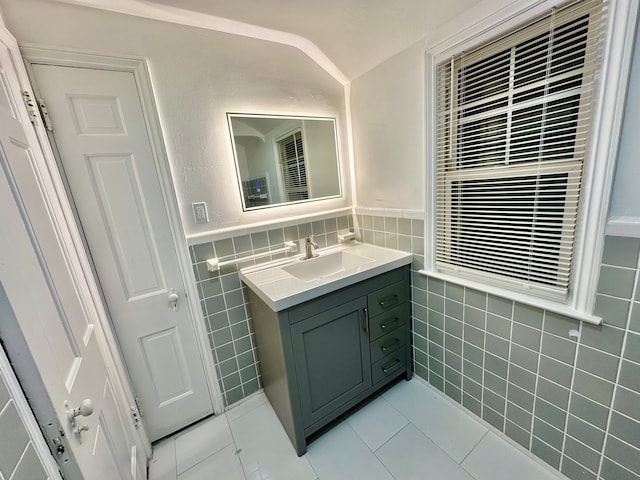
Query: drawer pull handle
{"points": [[392, 323], [389, 300], [390, 345], [366, 320], [391, 366]]}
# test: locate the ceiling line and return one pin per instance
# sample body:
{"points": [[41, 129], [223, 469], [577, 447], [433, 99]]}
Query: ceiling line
{"points": [[166, 13]]}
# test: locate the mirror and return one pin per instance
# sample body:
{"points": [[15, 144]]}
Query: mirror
{"points": [[283, 160]]}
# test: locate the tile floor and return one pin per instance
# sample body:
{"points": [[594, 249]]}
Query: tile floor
{"points": [[409, 432]]}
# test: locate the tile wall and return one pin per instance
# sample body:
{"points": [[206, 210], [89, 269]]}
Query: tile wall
{"points": [[575, 403], [222, 298]]}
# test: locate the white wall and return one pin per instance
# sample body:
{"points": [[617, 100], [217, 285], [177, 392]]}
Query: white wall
{"points": [[625, 200], [198, 75], [387, 107]]}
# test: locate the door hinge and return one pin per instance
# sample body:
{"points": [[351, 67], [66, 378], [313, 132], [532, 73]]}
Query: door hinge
{"points": [[32, 107], [44, 114], [136, 413], [37, 109]]}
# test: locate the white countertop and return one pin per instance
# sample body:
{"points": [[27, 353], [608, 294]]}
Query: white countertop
{"points": [[281, 290]]}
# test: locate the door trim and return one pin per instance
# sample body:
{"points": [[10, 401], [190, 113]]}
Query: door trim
{"points": [[37, 54]]}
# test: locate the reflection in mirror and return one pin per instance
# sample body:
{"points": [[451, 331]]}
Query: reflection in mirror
{"points": [[282, 160]]}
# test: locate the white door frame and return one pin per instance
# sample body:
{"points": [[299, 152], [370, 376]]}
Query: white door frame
{"points": [[36, 54]]}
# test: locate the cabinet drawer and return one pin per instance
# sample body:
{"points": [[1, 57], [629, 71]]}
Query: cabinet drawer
{"points": [[389, 366], [388, 344], [383, 324], [385, 299]]}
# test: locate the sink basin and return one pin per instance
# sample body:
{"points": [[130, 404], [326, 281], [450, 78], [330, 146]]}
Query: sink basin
{"points": [[326, 265]]}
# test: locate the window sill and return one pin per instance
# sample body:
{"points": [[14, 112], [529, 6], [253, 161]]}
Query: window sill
{"points": [[550, 306]]}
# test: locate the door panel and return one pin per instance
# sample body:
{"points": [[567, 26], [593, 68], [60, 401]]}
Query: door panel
{"points": [[44, 295], [166, 362], [121, 204], [102, 137]]}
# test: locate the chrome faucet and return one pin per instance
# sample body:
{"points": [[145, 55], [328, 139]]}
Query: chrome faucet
{"points": [[309, 245]]}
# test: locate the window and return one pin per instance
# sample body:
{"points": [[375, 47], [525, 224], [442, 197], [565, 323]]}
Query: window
{"points": [[514, 119], [293, 168]]}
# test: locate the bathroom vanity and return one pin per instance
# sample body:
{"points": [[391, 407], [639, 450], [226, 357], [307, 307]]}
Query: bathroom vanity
{"points": [[329, 331]]}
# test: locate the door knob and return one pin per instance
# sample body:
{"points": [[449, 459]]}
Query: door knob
{"points": [[85, 409], [173, 300]]}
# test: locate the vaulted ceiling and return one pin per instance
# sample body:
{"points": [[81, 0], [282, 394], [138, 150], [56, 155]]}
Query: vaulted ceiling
{"points": [[356, 35]]}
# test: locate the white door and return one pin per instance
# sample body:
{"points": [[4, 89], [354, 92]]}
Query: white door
{"points": [[101, 135], [43, 294]]}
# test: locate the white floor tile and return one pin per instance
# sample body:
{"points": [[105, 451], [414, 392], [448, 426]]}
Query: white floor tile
{"points": [[449, 427], [162, 465], [201, 440], [245, 407], [265, 449], [411, 455], [377, 422], [340, 454], [221, 465], [495, 459]]}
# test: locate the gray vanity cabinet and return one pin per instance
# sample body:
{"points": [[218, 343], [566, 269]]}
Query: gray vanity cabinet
{"points": [[322, 357]]}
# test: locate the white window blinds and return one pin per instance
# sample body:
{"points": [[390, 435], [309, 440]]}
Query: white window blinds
{"points": [[514, 120], [293, 167]]}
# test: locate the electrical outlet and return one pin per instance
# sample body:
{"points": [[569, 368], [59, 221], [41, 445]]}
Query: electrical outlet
{"points": [[200, 214]]}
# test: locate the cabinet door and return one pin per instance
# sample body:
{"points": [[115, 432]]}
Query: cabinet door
{"points": [[332, 359]]}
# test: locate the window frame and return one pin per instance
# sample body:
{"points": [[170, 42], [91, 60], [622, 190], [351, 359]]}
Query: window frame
{"points": [[599, 163]]}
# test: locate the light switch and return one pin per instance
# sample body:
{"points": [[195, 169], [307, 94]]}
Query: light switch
{"points": [[200, 214]]}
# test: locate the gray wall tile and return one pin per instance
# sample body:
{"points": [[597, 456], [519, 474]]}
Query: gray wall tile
{"points": [[598, 363], [627, 402], [623, 454], [500, 306], [621, 251], [494, 418], [603, 337], [593, 387], [555, 371], [580, 453], [614, 311], [613, 471], [616, 281], [589, 411], [550, 413], [625, 429], [528, 315], [575, 471], [548, 433], [630, 375], [587, 433], [517, 434], [545, 452], [475, 298]]}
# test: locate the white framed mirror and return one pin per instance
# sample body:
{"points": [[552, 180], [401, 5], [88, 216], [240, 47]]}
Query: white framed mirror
{"points": [[282, 160]]}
